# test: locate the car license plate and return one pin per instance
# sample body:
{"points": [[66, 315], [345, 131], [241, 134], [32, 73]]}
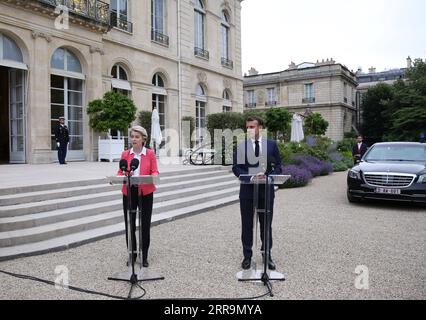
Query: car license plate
{"points": [[388, 191]]}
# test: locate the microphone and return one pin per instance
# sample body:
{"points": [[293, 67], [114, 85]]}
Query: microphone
{"points": [[134, 164], [123, 165]]}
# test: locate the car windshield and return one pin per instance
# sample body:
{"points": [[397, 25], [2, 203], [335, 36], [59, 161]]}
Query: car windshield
{"points": [[397, 153]]}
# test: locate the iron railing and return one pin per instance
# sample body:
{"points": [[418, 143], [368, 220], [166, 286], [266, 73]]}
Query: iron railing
{"points": [[227, 63], [308, 100], [120, 21], [93, 9], [159, 37], [199, 52]]}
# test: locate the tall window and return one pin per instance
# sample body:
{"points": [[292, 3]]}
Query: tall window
{"points": [[120, 15], [159, 99], [251, 99], [157, 16], [200, 113], [199, 24], [272, 97], [227, 104], [66, 96], [120, 81], [345, 92], [225, 35], [309, 96]]}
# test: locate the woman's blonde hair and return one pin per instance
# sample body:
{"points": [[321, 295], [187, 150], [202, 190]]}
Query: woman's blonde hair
{"points": [[140, 130]]}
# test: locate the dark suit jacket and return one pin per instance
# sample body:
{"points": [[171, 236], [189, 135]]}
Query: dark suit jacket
{"points": [[62, 134], [267, 163], [355, 150]]}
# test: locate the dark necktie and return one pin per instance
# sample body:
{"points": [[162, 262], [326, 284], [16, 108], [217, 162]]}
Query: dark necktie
{"points": [[256, 149]]}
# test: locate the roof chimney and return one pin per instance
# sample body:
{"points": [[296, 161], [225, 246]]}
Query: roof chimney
{"points": [[253, 72]]}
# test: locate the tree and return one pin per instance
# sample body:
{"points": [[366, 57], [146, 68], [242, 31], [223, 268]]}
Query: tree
{"points": [[144, 119], [278, 120], [374, 111], [114, 111], [225, 120], [315, 124], [407, 111]]}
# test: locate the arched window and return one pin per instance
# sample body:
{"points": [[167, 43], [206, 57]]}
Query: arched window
{"points": [[120, 80], [200, 14], [66, 98], [118, 72], [159, 95], [12, 95], [200, 113], [157, 81], [63, 59], [227, 104], [9, 50]]}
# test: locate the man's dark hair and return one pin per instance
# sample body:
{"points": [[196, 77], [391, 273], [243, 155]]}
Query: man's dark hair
{"points": [[253, 118]]}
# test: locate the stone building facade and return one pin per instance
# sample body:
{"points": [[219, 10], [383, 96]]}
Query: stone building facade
{"points": [[324, 87], [181, 56]]}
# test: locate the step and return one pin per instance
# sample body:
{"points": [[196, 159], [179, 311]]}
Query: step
{"points": [[38, 196], [88, 182], [80, 238], [55, 204], [40, 233], [39, 219]]}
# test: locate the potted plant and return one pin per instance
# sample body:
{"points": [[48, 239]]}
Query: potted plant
{"points": [[114, 112]]}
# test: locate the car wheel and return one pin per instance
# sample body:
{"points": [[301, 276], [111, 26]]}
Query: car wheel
{"points": [[352, 199]]}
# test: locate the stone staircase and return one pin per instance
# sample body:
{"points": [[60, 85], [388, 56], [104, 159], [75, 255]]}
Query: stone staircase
{"points": [[52, 217]]}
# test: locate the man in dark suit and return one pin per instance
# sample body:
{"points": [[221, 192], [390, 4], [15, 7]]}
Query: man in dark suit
{"points": [[62, 138], [255, 156], [359, 149]]}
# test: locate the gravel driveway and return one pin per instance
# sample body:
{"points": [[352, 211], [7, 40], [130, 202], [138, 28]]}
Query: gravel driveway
{"points": [[319, 241]]}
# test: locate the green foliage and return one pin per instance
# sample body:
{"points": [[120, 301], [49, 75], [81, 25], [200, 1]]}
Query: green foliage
{"points": [[407, 111], [339, 166], [397, 112], [375, 113], [315, 124], [144, 120], [225, 120], [346, 145], [114, 111], [278, 120]]}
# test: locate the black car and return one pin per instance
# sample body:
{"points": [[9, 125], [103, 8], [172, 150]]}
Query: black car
{"points": [[390, 171]]}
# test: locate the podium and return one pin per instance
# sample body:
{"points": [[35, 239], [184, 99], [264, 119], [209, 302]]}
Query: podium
{"points": [[132, 274], [254, 274]]}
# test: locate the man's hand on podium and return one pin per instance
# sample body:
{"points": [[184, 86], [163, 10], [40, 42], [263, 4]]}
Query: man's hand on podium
{"points": [[260, 177]]}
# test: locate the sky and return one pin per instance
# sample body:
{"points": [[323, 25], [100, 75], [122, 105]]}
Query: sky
{"points": [[355, 33]]}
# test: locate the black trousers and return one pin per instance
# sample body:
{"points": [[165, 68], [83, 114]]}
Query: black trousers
{"points": [[62, 152], [247, 218], [144, 203]]}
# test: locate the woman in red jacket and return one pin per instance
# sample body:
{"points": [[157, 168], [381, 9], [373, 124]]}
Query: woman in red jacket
{"points": [[142, 195]]}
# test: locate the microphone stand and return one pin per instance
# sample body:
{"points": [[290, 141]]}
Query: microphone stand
{"points": [[262, 275], [129, 276]]}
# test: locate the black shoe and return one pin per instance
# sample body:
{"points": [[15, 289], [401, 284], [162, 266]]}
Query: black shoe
{"points": [[271, 263], [246, 263], [145, 263]]}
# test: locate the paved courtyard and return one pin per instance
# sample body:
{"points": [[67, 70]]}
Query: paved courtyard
{"points": [[319, 241]]}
